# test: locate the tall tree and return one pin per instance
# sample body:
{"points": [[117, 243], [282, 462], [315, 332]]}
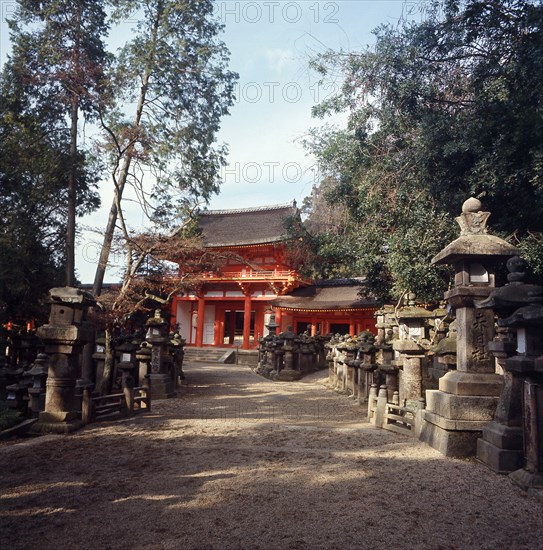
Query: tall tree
{"points": [[58, 50], [175, 72], [438, 111], [34, 159]]}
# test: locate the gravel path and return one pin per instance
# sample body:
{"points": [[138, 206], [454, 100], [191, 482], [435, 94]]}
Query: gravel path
{"points": [[237, 461]]}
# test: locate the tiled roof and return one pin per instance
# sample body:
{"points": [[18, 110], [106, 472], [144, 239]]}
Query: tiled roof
{"points": [[335, 294], [246, 226]]}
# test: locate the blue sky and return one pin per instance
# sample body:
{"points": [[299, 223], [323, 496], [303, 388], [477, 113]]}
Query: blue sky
{"points": [[271, 43]]}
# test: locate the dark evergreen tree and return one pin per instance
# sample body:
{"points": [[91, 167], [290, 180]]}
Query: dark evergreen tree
{"points": [[439, 111], [59, 54], [34, 159]]}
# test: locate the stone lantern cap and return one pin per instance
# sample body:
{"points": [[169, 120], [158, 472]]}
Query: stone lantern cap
{"points": [[447, 346], [157, 320], [415, 312], [127, 347], [515, 294], [524, 316], [474, 241], [75, 297]]}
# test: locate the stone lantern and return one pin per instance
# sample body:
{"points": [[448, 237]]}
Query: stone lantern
{"points": [[368, 366], [444, 355], [411, 348], [36, 393], [518, 425], [63, 338], [99, 357], [160, 377], [272, 325], [501, 447], [467, 397], [126, 362], [289, 372], [143, 356], [177, 353]]}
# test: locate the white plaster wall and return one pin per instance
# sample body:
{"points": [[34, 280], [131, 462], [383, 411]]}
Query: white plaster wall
{"points": [[183, 318], [209, 324]]}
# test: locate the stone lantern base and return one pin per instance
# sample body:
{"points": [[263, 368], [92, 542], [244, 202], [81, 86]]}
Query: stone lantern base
{"points": [[501, 448], [531, 482], [162, 386], [456, 414], [59, 423]]}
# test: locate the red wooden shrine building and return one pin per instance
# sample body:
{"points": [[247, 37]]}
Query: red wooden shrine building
{"points": [[234, 306]]}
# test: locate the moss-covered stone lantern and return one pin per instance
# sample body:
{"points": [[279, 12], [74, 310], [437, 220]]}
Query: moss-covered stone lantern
{"points": [[63, 336], [467, 397]]}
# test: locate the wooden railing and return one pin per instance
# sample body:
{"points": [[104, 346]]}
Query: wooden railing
{"points": [[253, 274], [127, 403]]}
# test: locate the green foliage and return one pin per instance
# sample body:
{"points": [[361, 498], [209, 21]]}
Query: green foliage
{"points": [[187, 89], [532, 251], [59, 60], [175, 71], [59, 53], [34, 159], [438, 111]]}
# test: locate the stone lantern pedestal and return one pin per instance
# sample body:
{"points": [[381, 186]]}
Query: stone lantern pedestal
{"points": [[143, 356], [63, 338], [289, 372], [467, 397], [99, 357]]}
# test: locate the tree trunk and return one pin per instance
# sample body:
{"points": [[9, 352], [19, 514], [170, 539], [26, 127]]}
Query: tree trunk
{"points": [[74, 111], [123, 175], [70, 225], [107, 379]]}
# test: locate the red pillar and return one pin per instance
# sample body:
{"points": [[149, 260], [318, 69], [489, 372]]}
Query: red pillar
{"points": [[200, 327], [247, 322], [313, 326], [232, 325], [278, 320], [173, 314], [259, 321], [219, 326], [352, 328]]}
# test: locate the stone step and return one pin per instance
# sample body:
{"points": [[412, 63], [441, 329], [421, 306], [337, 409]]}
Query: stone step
{"points": [[212, 355]]}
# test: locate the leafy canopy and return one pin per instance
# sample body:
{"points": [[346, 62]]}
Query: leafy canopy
{"points": [[439, 111]]}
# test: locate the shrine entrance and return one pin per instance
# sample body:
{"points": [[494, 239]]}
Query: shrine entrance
{"points": [[233, 327], [340, 328]]}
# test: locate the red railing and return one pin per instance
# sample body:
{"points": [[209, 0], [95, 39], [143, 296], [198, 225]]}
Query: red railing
{"points": [[252, 274]]}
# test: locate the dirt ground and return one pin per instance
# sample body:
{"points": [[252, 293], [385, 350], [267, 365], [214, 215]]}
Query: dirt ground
{"points": [[236, 461]]}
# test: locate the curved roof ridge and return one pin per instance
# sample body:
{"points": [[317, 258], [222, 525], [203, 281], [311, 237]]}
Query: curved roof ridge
{"points": [[291, 204]]}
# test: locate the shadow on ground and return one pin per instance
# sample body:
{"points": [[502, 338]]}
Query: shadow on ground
{"points": [[234, 477]]}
